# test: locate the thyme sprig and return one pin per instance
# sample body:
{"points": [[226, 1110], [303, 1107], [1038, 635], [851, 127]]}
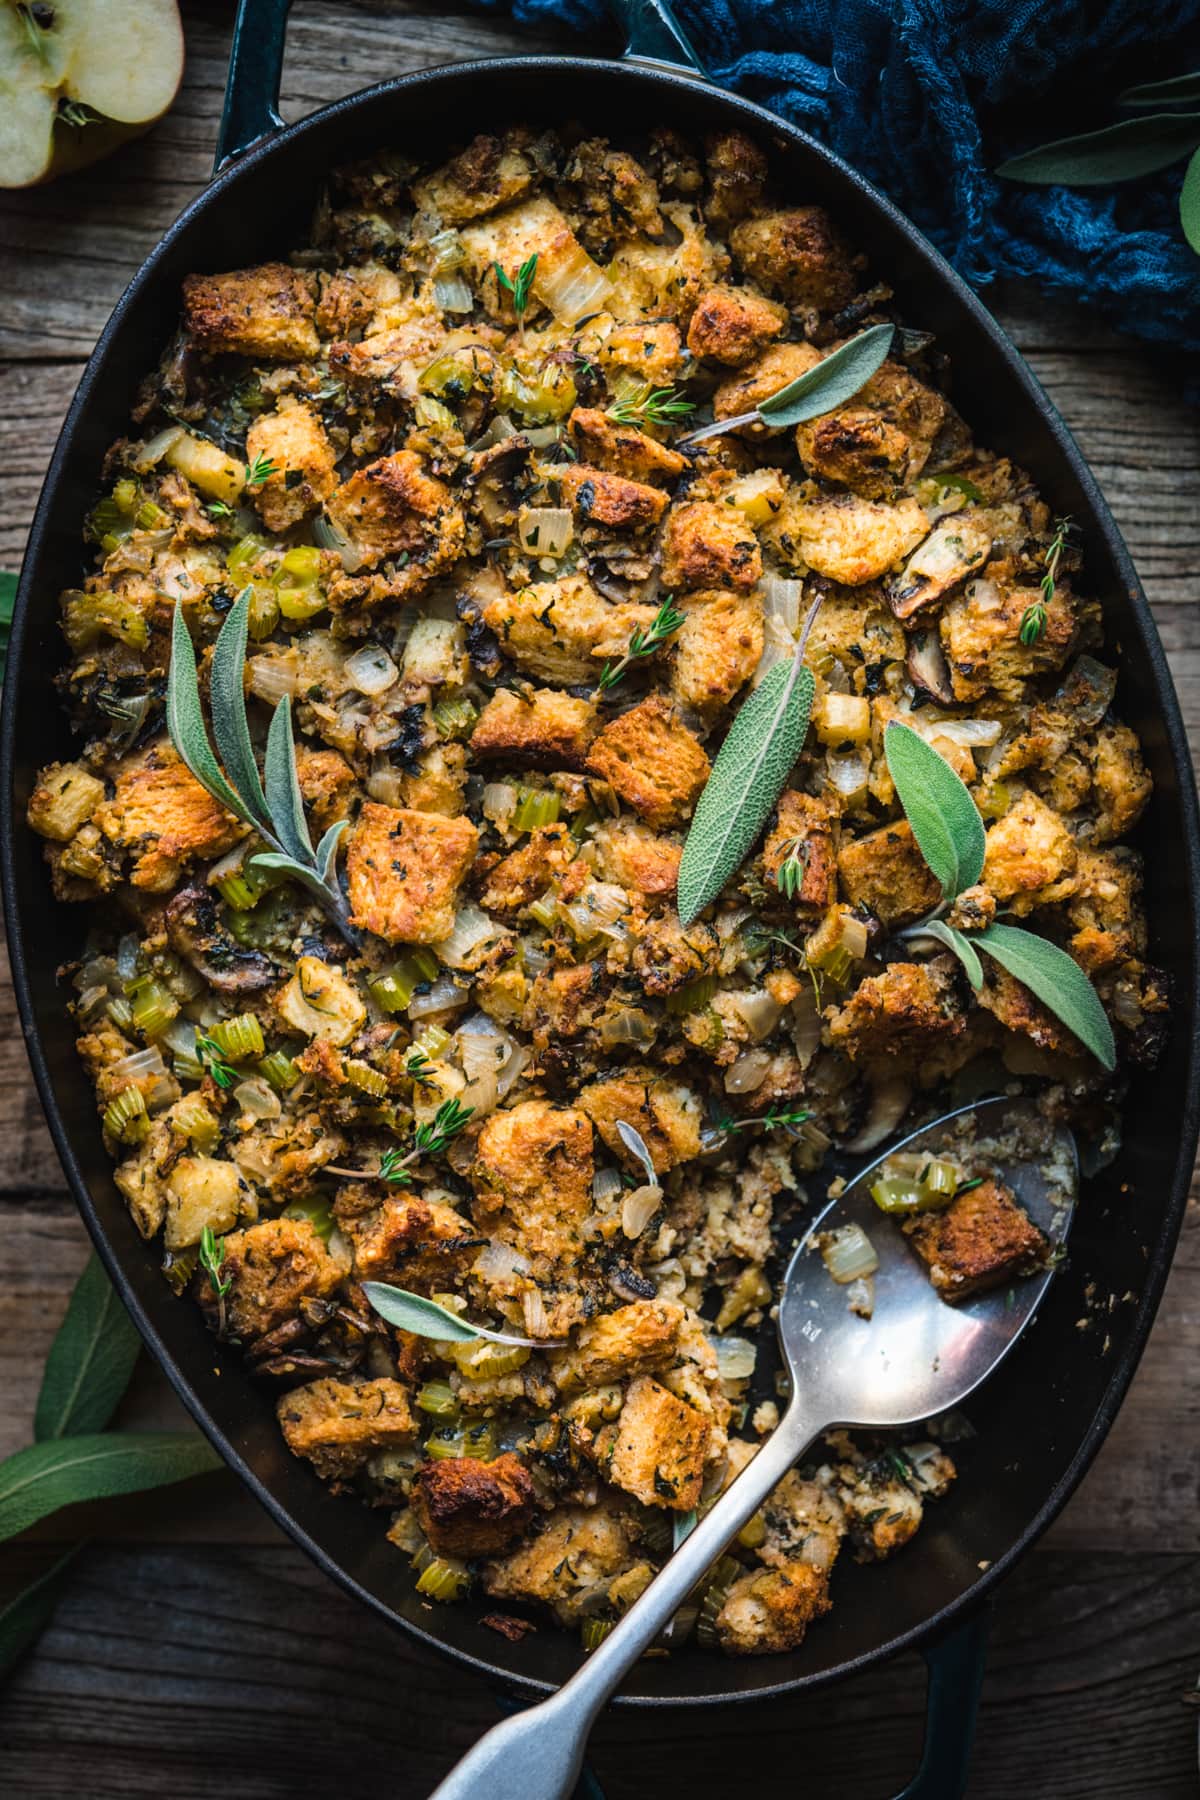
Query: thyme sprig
{"points": [[211, 1059], [260, 470], [651, 406], [774, 1119], [519, 285], [212, 1260], [429, 1139], [1033, 620], [789, 878], [643, 643]]}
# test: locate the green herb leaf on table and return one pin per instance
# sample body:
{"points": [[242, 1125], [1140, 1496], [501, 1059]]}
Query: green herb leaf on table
{"points": [[828, 384], [1057, 980], [944, 818], [8, 596], [1121, 152], [90, 1360], [425, 1318], [747, 778], [1174, 95], [27, 1614], [97, 1466], [1189, 203]]}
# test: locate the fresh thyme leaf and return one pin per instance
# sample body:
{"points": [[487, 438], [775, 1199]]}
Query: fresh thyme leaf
{"points": [[960, 483], [212, 1257], [431, 1138], [90, 1360], [651, 406], [1057, 980], [392, 1169], [425, 1318], [1033, 622], [1120, 152], [642, 643], [1033, 619], [945, 820], [260, 470], [830, 383], [209, 1053], [418, 1068], [218, 509], [518, 285], [789, 878]]}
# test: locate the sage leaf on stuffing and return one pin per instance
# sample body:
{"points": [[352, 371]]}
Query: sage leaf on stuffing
{"points": [[1057, 980], [425, 1318], [829, 383], [945, 820], [954, 940]]}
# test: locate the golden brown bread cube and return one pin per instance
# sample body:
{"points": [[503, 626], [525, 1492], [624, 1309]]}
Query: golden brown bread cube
{"points": [[64, 800], [338, 1425], [392, 508], [264, 312], [293, 439], [612, 500], [659, 1448], [271, 1267], [1029, 852], [770, 371], [162, 818], [798, 255], [423, 1244], [468, 1508], [981, 636], [856, 448], [717, 648], [1017, 1009], [652, 761], [563, 630], [562, 1003], [982, 1239], [388, 359], [848, 539], [576, 1555], [737, 177], [1121, 781], [804, 825], [639, 859], [665, 1112], [629, 1341], [491, 172], [886, 873], [622, 449], [403, 870], [533, 1174], [770, 1610], [709, 546], [898, 1012], [546, 728], [523, 876], [734, 324]]}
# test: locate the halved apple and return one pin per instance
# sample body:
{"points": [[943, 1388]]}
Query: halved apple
{"points": [[79, 77]]}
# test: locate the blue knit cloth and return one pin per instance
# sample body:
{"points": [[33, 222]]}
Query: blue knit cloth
{"points": [[925, 97]]}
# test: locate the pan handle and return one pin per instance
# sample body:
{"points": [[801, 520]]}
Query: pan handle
{"points": [[955, 1664], [652, 35]]}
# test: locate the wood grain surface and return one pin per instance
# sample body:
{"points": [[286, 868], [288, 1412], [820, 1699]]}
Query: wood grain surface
{"points": [[197, 1652]]}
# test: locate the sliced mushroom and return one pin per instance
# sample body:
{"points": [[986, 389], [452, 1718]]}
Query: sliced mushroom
{"points": [[946, 557], [890, 1095], [195, 933], [928, 668]]}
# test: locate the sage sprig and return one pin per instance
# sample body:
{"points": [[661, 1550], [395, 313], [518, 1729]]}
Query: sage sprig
{"points": [[747, 778], [950, 835], [829, 383], [270, 803], [425, 1318]]}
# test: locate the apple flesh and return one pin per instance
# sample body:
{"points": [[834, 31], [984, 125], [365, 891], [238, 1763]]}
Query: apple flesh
{"points": [[79, 77]]}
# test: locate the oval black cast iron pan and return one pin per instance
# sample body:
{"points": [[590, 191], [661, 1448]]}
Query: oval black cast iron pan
{"points": [[1042, 1420]]}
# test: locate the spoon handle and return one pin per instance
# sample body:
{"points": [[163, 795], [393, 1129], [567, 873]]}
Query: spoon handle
{"points": [[537, 1754]]}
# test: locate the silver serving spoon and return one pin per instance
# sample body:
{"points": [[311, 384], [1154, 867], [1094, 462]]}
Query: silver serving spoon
{"points": [[916, 1357]]}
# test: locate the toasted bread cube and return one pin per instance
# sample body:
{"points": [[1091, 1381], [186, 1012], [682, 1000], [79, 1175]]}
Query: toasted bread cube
{"points": [[886, 873], [622, 449], [841, 719], [981, 636], [161, 816], [271, 1267], [546, 728], [66, 797], [882, 1511], [660, 1446], [733, 325], [718, 648], [320, 1002], [770, 1610], [769, 372], [650, 348], [899, 1012], [202, 1190], [611, 500], [263, 312], [798, 255], [338, 1425], [983, 1239], [1017, 1009], [1121, 781], [849, 540], [804, 1522], [856, 448], [630, 1341], [404, 869], [468, 1508], [637, 858], [534, 227], [652, 761], [562, 1003], [533, 1173], [564, 630], [393, 508], [737, 178], [524, 875], [665, 1112], [710, 546], [804, 826], [577, 1554], [422, 1244], [350, 299], [1029, 852], [293, 439], [388, 361], [491, 172], [326, 782]]}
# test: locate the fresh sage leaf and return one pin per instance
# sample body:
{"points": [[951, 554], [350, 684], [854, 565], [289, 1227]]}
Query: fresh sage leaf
{"points": [[747, 778], [1189, 203], [327, 848], [185, 721], [425, 1318], [1057, 980], [65, 1471], [833, 381], [953, 940], [945, 820], [1174, 95], [230, 728], [283, 787], [90, 1360], [8, 598], [1117, 153], [635, 1143], [27, 1614]]}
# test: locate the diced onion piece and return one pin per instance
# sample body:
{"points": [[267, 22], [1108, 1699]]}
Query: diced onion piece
{"points": [[805, 1025], [606, 1182], [736, 1357], [480, 1096], [155, 448], [759, 1011], [449, 252], [849, 773], [499, 801], [472, 928], [434, 651], [628, 1026], [330, 538], [257, 1098], [569, 282], [781, 602], [371, 670], [639, 1207], [499, 1262], [452, 294], [271, 677], [545, 530], [500, 428], [137, 1066], [443, 996], [748, 1072], [533, 1307], [848, 1254], [860, 1296], [890, 1096], [973, 734]]}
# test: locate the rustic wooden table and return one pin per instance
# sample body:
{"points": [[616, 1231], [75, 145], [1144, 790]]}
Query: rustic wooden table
{"points": [[197, 1651]]}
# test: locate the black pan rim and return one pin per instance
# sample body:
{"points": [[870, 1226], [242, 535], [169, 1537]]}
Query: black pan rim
{"points": [[1188, 1004]]}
